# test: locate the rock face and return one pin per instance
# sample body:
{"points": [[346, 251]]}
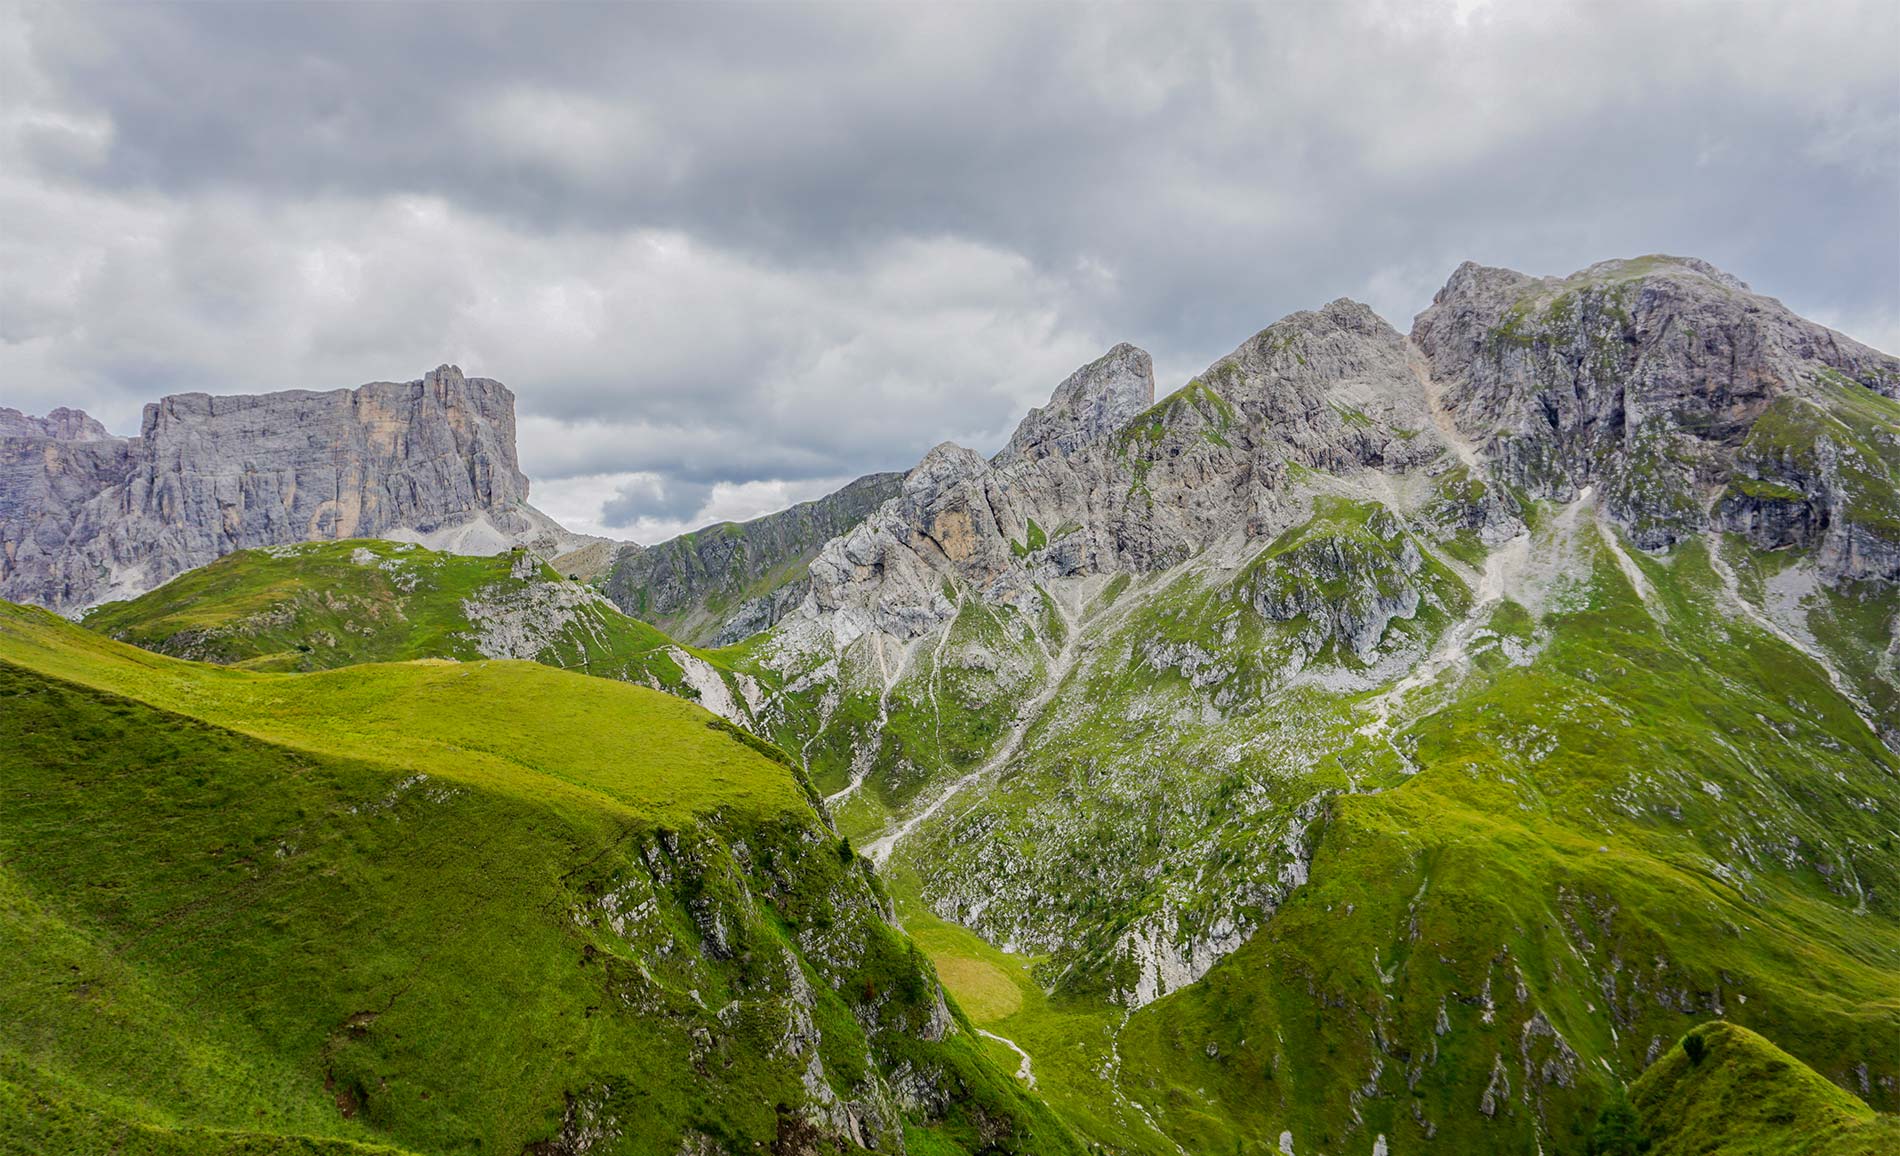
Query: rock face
{"points": [[729, 581], [1095, 401], [66, 425], [86, 517], [1665, 381], [1099, 481]]}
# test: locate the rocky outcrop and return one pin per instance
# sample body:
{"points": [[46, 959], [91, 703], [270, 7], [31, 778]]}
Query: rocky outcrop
{"points": [[728, 581], [1343, 584], [86, 517], [62, 424], [1646, 378], [1098, 481], [1095, 401]]}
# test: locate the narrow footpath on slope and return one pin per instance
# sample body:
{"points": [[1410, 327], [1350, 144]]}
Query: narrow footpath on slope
{"points": [[879, 851]]}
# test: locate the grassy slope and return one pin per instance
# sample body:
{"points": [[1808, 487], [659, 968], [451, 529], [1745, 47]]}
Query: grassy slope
{"points": [[325, 605], [1743, 1096], [1667, 815], [1559, 863], [436, 906]]}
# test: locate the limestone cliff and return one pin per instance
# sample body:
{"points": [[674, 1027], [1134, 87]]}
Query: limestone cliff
{"points": [[1688, 399], [86, 517]]}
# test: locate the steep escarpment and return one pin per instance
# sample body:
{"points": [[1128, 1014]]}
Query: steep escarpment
{"points": [[85, 518], [1666, 383]]}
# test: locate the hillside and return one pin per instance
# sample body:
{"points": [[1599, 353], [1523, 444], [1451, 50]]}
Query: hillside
{"points": [[1726, 1090], [1387, 740], [726, 582], [434, 907], [324, 605]]}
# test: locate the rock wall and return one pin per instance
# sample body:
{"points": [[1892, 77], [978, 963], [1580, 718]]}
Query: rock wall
{"points": [[1101, 481], [86, 517]]}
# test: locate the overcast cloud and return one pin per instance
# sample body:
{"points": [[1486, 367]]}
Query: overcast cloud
{"points": [[730, 256]]}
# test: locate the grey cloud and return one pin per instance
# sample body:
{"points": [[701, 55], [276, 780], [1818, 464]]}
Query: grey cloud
{"points": [[765, 243], [660, 498]]}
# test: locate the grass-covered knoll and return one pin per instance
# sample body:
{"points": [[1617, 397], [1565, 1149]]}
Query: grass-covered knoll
{"points": [[1725, 1089], [313, 606], [483, 723], [324, 605], [433, 907]]}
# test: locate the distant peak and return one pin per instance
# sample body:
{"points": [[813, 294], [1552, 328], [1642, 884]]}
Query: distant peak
{"points": [[60, 424]]}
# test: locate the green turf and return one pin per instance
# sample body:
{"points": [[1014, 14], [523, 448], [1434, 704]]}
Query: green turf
{"points": [[438, 907], [1725, 1089], [323, 605]]}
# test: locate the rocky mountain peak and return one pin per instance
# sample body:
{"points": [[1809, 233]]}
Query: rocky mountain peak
{"points": [[60, 424], [1093, 402], [1662, 380]]}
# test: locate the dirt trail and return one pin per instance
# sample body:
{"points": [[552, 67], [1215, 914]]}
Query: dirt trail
{"points": [[879, 851], [1500, 566], [1732, 587], [1023, 1072]]}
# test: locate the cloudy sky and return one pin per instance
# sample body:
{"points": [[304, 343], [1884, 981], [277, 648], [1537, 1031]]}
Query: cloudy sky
{"points": [[730, 256]]}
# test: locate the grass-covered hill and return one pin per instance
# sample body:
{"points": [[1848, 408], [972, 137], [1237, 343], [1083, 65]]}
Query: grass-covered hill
{"points": [[324, 605], [1725, 1089], [441, 907]]}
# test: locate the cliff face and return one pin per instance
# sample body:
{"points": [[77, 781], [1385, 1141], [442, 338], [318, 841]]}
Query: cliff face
{"points": [[1688, 399], [86, 517], [729, 581]]}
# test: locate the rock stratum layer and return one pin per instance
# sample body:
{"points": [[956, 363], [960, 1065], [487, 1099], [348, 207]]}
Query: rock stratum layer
{"points": [[86, 517]]}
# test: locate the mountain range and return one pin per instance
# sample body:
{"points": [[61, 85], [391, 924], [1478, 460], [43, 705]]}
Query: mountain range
{"points": [[1485, 738]]}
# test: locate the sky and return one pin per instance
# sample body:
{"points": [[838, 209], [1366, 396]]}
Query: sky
{"points": [[730, 256]]}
